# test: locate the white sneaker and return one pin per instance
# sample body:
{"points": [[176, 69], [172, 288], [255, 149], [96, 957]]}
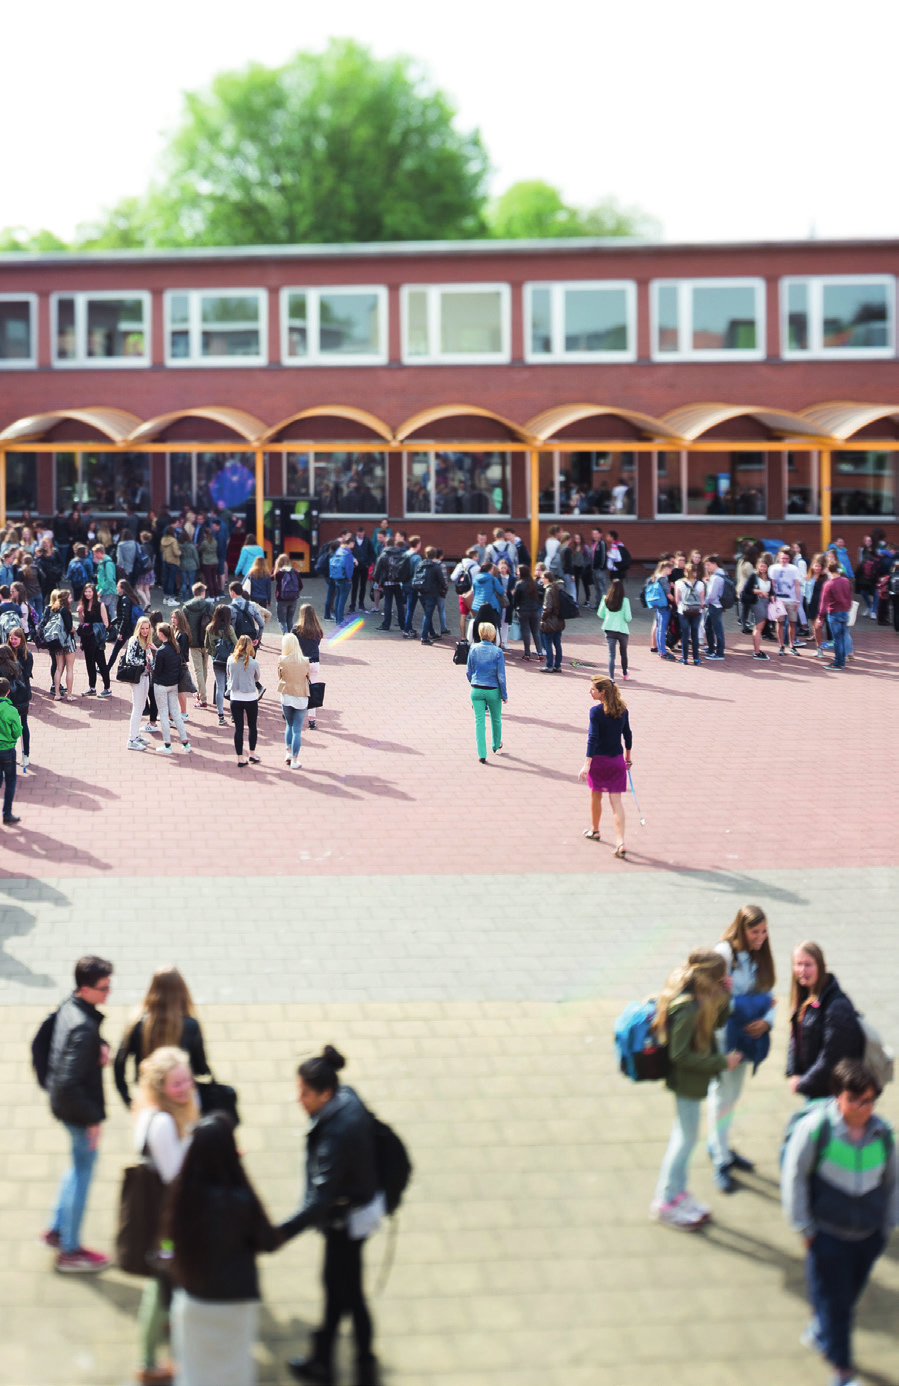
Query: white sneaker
{"points": [[185, 717], [677, 1214], [287, 758], [295, 763], [164, 750], [137, 745], [699, 1210], [185, 746]]}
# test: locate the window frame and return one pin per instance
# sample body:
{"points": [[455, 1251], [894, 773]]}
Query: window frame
{"points": [[317, 357], [80, 457], [81, 360], [434, 356], [816, 350], [195, 328], [685, 288], [316, 459], [442, 515], [557, 354], [29, 362], [592, 516]]}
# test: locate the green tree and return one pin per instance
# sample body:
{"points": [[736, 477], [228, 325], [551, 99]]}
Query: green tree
{"points": [[533, 210], [331, 147], [17, 238]]}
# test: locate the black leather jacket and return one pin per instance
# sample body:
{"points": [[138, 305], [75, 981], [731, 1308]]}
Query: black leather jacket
{"points": [[236, 1229], [340, 1165], [826, 1034], [131, 1047], [74, 1077]]}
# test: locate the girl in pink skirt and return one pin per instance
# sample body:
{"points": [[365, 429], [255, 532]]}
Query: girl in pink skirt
{"points": [[606, 766]]}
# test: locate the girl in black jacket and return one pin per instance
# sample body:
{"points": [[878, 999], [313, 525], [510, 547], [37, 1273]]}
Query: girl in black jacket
{"points": [[165, 1017], [20, 691], [166, 676], [824, 1027], [92, 623], [61, 643]]}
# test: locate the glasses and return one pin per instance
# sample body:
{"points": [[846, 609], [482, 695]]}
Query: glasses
{"points": [[101, 986]]}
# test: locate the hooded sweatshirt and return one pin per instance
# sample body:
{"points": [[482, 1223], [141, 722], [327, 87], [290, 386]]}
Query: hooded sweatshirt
{"points": [[836, 1185]]}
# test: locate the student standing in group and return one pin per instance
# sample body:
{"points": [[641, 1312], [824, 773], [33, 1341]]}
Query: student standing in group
{"points": [[342, 1201], [165, 1017], [78, 1055], [714, 626], [219, 642], [288, 586], [181, 640], [824, 1027], [812, 590], [167, 669], [166, 1112], [145, 573], [788, 589], [170, 550], [59, 630], [694, 1004], [128, 611], [757, 594], [662, 576], [243, 674], [486, 672], [198, 612], [293, 687], [363, 559], [22, 699], [105, 579], [208, 550], [746, 949], [552, 623], [92, 624], [462, 577], [598, 560], [310, 635], [486, 591], [527, 602], [689, 592], [189, 564], [836, 604], [506, 579], [615, 614], [140, 653], [607, 763]]}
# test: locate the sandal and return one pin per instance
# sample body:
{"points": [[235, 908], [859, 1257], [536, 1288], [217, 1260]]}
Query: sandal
{"points": [[621, 850], [593, 833]]}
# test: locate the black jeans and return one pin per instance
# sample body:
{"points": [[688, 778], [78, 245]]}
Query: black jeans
{"points": [[238, 709], [26, 731], [357, 592], [8, 775], [689, 632], [530, 630], [95, 660], [343, 1293]]}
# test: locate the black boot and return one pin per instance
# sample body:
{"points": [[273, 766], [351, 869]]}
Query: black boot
{"points": [[367, 1371], [316, 1367]]}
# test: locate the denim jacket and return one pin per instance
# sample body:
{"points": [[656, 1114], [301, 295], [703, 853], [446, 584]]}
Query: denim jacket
{"points": [[487, 667]]}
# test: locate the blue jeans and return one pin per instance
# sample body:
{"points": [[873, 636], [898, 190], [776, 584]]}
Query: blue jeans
{"points": [[552, 640], [68, 1211], [441, 614], [724, 1094], [684, 1134], [188, 578], [8, 775], [836, 1272], [329, 599], [391, 595], [411, 598], [293, 731], [171, 577], [341, 592], [663, 616], [715, 629], [429, 606], [839, 625]]}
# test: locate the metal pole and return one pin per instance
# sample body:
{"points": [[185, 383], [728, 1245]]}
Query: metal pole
{"points": [[824, 483], [3, 488], [260, 497], [534, 491]]}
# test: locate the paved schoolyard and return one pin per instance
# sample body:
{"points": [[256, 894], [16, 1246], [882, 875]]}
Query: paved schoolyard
{"points": [[447, 925]]}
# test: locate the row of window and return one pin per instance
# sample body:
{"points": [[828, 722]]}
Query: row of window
{"points": [[455, 324], [465, 484]]}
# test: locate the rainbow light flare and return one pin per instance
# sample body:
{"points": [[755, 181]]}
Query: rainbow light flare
{"points": [[346, 632]]}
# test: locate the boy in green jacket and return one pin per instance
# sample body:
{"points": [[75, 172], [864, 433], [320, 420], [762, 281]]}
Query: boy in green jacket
{"points": [[10, 731]]}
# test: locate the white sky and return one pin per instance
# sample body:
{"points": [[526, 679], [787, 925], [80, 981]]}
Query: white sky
{"points": [[765, 120]]}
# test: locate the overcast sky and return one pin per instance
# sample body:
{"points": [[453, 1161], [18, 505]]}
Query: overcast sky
{"points": [[768, 120]]}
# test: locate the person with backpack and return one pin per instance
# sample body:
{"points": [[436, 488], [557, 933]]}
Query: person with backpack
{"points": [[58, 630], [659, 598], [246, 615], [10, 732], [714, 587], [618, 561], [170, 551], [288, 586], [167, 668], [92, 624], [310, 635], [219, 643], [189, 564], [20, 687], [693, 1005], [392, 571], [136, 665], [745, 947], [462, 578], [839, 1192], [340, 573], [145, 568], [552, 623], [689, 594], [106, 579], [198, 613], [343, 1200], [73, 1078], [79, 571], [243, 677], [616, 616], [428, 585], [49, 567], [607, 762], [824, 1025], [486, 603]]}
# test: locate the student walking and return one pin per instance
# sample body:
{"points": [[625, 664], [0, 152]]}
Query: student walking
{"points": [[615, 614], [20, 686], [165, 1018], [552, 623], [140, 652], [746, 949], [824, 1027], [293, 687], [10, 731], [59, 634], [689, 593], [288, 586], [310, 635], [198, 612], [606, 765], [167, 669], [694, 1004], [219, 642], [838, 1190], [257, 583], [486, 672], [243, 676]]}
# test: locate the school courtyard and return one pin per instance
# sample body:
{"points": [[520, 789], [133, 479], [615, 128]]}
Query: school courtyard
{"points": [[448, 927]]}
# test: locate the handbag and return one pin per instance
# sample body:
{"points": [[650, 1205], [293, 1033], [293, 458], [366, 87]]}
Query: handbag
{"points": [[776, 610], [218, 1097], [140, 1207], [99, 631], [515, 629], [186, 683], [112, 632], [316, 695], [129, 673]]}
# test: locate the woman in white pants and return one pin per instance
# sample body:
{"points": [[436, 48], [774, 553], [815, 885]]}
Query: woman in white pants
{"points": [[746, 949], [139, 653]]}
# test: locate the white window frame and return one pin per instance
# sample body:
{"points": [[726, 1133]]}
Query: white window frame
{"points": [[442, 515], [685, 288], [557, 352], [195, 328], [28, 363], [816, 350], [81, 361], [434, 356], [315, 356]]}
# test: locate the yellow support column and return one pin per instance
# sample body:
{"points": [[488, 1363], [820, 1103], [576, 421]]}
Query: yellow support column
{"points": [[2, 488], [824, 484], [260, 497], [534, 493]]}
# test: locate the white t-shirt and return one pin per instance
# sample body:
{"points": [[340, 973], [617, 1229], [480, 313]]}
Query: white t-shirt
{"points": [[785, 579], [165, 1147]]}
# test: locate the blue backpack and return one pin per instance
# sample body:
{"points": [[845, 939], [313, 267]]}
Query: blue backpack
{"points": [[640, 1055], [337, 566], [655, 596]]}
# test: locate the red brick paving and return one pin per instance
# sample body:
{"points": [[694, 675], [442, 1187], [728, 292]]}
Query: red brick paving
{"points": [[738, 766]]}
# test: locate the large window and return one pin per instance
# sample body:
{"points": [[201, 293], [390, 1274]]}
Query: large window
{"points": [[18, 331], [212, 480], [457, 483], [216, 327], [708, 319], [715, 484], [846, 317], [588, 483], [863, 483], [21, 481], [101, 329], [104, 482], [585, 321], [343, 483], [334, 327], [801, 483], [455, 324]]}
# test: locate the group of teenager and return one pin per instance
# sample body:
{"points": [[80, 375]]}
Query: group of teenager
{"points": [[202, 1221], [714, 1016]]}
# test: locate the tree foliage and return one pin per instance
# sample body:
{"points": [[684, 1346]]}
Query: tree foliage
{"points": [[533, 210]]}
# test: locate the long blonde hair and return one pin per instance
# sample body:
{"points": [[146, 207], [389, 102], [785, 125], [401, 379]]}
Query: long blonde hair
{"points": [[162, 1010], [143, 621], [152, 1074], [800, 996], [258, 568], [290, 649], [701, 977], [244, 651]]}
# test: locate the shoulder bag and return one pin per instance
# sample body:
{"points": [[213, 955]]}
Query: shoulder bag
{"points": [[140, 1208]]}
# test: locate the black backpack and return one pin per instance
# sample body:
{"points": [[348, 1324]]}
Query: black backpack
{"points": [[421, 577], [568, 607], [463, 582], [460, 654], [399, 569], [392, 1163], [624, 560], [244, 623], [40, 1049]]}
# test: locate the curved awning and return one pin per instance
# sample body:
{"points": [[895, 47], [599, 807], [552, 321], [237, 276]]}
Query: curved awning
{"points": [[546, 425], [334, 411], [691, 421], [840, 419], [438, 412], [114, 424], [245, 425]]}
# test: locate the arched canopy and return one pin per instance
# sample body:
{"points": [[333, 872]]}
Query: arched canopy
{"points": [[359, 417], [114, 424], [245, 425], [691, 421], [840, 419], [551, 422], [439, 413]]}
